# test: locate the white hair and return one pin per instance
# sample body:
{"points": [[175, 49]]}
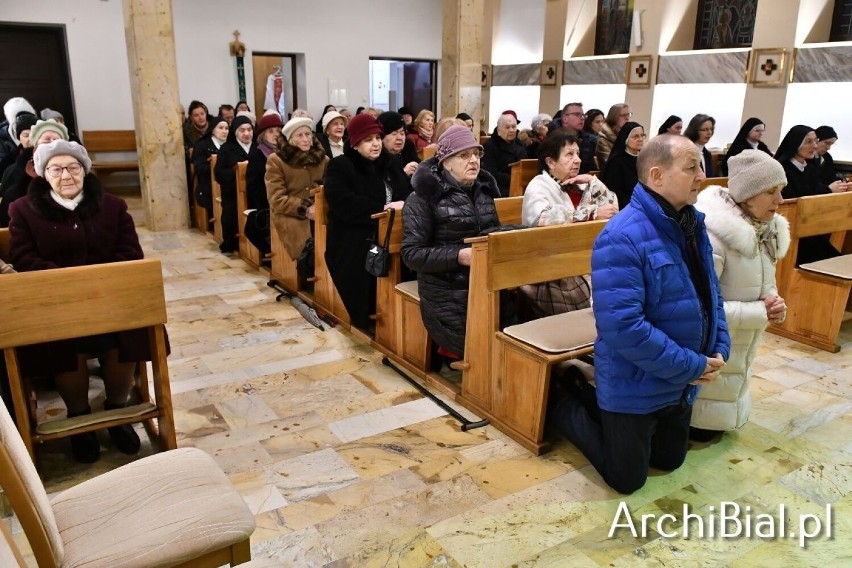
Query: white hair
{"points": [[542, 119]]}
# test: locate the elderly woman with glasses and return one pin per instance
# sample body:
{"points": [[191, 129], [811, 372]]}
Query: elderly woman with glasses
{"points": [[700, 130], [68, 220], [453, 199]]}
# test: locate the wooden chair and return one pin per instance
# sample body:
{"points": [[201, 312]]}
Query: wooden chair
{"points": [[216, 196], [47, 306], [506, 374], [817, 293], [521, 173], [248, 252], [326, 297], [171, 509]]}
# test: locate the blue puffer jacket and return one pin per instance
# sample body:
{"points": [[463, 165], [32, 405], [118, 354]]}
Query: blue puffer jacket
{"points": [[647, 312]]}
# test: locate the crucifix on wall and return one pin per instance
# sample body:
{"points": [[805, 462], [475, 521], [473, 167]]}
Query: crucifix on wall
{"points": [[238, 50]]}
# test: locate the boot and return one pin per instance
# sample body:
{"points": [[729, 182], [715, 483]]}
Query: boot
{"points": [[124, 437], [85, 447]]}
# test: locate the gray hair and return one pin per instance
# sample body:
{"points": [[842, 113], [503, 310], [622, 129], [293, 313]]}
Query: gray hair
{"points": [[542, 119], [657, 152], [503, 119]]}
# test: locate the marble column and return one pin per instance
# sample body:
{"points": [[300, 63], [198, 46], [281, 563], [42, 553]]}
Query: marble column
{"points": [[641, 100], [461, 58], [156, 112], [555, 25]]}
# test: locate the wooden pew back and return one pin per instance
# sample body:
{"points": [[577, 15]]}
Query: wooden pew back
{"points": [[823, 214], [5, 239], [521, 173], [109, 140], [216, 196], [707, 182]]}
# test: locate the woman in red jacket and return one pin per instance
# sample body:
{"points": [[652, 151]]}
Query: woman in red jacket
{"points": [[67, 220]]}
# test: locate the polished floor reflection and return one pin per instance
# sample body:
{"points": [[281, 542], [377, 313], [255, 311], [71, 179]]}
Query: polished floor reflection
{"points": [[346, 465]]}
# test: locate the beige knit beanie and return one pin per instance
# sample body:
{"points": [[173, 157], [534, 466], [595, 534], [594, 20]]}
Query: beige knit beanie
{"points": [[751, 172]]}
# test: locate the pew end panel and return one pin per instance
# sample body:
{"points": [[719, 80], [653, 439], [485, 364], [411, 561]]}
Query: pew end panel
{"points": [[816, 300], [216, 196], [5, 241], [46, 305], [283, 268], [247, 251], [326, 297]]}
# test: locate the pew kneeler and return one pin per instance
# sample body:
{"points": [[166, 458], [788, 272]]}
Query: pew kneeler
{"points": [[526, 355]]}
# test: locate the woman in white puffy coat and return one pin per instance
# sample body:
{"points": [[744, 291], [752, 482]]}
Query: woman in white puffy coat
{"points": [[748, 238]]}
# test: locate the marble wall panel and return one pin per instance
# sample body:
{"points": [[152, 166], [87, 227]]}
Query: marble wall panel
{"points": [[609, 71], [515, 75], [823, 64], [692, 68]]}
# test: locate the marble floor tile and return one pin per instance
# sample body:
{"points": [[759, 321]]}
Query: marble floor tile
{"points": [[311, 474], [386, 419], [245, 411]]}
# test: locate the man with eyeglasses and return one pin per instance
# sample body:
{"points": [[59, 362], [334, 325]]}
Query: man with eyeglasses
{"points": [[573, 119], [502, 150]]}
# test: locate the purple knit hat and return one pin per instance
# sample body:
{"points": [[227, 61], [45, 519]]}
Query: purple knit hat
{"points": [[455, 139]]}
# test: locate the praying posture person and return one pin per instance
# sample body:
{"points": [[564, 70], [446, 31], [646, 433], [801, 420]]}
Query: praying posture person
{"points": [[660, 321]]}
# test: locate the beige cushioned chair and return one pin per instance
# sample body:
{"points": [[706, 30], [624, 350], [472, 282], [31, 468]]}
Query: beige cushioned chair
{"points": [[175, 508]]}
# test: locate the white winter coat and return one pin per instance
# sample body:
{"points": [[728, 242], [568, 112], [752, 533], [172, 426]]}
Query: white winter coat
{"points": [[744, 255]]}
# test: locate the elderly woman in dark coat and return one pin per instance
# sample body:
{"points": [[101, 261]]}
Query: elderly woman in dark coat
{"points": [[67, 220], [206, 147], [365, 180], [453, 199]]}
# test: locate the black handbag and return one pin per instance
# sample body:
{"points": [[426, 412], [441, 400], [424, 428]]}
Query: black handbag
{"points": [[378, 258]]}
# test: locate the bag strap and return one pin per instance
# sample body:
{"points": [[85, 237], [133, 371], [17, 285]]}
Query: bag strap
{"points": [[390, 228]]}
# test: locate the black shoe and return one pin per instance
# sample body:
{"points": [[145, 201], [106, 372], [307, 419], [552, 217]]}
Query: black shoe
{"points": [[124, 437], [85, 447], [702, 435]]}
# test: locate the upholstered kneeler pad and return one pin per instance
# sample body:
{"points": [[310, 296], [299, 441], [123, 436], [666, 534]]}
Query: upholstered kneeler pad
{"points": [[559, 333], [839, 266], [172, 506], [410, 289]]}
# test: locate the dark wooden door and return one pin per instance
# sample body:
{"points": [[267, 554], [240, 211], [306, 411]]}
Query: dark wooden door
{"points": [[35, 66]]}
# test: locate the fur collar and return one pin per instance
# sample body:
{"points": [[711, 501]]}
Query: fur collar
{"points": [[41, 202], [730, 225], [292, 156], [428, 181]]}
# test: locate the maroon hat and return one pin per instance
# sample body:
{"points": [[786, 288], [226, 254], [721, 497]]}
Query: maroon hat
{"points": [[269, 121], [361, 126], [513, 113], [455, 139]]}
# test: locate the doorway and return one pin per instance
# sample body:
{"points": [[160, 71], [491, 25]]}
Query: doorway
{"points": [[277, 82], [395, 83], [36, 67]]}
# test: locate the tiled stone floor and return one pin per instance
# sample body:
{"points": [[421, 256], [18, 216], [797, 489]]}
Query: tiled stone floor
{"points": [[345, 464]]}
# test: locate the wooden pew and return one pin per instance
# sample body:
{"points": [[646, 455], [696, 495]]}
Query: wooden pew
{"points": [[426, 153], [5, 237], [326, 297], [400, 333], [216, 196], [46, 305], [283, 268], [248, 252], [707, 182], [100, 142], [817, 297], [521, 173], [198, 213], [506, 374]]}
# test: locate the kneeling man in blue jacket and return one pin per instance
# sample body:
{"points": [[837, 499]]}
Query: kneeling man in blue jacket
{"points": [[660, 321]]}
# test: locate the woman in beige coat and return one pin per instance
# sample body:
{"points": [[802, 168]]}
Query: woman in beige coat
{"points": [[748, 238], [291, 172]]}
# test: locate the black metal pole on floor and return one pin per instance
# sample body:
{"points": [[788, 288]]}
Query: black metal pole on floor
{"points": [[465, 423]]}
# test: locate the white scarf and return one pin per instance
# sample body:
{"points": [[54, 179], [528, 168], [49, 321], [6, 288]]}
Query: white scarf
{"points": [[246, 147], [216, 142], [69, 204]]}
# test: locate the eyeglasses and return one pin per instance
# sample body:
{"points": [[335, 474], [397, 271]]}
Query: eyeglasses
{"points": [[468, 154], [56, 171], [626, 114]]}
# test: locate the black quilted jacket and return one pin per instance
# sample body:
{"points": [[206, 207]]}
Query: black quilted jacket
{"points": [[438, 216]]}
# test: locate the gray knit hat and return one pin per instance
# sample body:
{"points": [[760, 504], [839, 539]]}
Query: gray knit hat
{"points": [[45, 152], [43, 126], [751, 172], [48, 113]]}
